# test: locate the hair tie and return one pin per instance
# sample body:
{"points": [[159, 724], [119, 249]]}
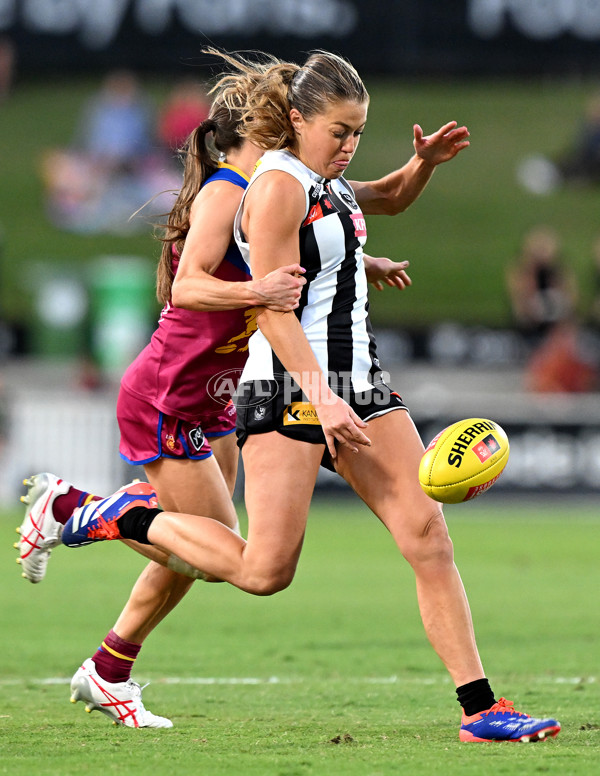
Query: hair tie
{"points": [[208, 125]]}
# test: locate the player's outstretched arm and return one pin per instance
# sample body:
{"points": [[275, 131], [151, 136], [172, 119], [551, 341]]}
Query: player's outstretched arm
{"points": [[396, 191]]}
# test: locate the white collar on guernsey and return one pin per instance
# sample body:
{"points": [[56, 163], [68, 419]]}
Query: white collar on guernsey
{"points": [[294, 159]]}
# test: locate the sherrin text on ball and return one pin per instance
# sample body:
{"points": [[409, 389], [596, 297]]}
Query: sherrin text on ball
{"points": [[464, 460]]}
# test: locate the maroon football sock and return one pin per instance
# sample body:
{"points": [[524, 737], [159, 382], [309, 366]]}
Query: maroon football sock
{"points": [[66, 503], [115, 658]]}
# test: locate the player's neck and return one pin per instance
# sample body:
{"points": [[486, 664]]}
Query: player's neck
{"points": [[244, 158]]}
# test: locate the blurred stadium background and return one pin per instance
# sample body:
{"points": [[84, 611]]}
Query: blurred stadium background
{"points": [[76, 291]]}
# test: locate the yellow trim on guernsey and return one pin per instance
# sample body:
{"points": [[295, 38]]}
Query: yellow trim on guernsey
{"points": [[235, 169]]}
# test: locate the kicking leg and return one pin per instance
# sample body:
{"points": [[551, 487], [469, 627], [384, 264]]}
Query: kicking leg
{"points": [[280, 477]]}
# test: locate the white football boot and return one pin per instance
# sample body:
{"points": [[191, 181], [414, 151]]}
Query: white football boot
{"points": [[121, 701], [39, 531]]}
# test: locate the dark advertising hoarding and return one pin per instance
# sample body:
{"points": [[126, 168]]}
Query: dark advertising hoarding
{"points": [[411, 37]]}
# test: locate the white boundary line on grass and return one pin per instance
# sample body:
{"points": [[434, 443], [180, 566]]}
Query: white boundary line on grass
{"points": [[251, 680]]}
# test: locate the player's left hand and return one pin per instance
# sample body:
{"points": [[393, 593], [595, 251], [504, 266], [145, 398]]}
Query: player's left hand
{"points": [[442, 145], [392, 273]]}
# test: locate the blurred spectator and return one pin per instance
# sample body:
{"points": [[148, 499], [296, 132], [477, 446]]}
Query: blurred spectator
{"points": [[543, 293], [114, 165], [581, 163], [595, 285], [564, 363], [185, 108], [116, 126], [7, 66], [541, 290]]}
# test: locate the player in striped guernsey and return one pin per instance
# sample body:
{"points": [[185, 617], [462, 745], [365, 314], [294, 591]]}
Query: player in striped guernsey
{"points": [[333, 305], [311, 389]]}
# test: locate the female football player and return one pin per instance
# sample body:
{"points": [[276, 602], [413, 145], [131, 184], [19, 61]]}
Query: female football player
{"points": [[174, 408], [312, 388]]}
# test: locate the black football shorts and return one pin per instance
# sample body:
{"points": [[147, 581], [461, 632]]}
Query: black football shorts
{"points": [[265, 405]]}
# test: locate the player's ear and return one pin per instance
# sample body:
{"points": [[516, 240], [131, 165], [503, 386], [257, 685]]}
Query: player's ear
{"points": [[297, 120]]}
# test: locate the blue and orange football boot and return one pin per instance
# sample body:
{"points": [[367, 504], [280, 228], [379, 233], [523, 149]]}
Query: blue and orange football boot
{"points": [[503, 723], [97, 521]]}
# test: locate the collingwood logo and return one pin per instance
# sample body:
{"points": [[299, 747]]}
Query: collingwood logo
{"points": [[348, 199], [260, 412]]}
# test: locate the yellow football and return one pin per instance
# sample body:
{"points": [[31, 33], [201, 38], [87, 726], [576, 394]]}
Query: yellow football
{"points": [[464, 460]]}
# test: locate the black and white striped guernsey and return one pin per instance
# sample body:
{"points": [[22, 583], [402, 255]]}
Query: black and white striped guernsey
{"points": [[333, 307]]}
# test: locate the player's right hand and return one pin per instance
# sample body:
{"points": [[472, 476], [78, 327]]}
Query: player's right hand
{"points": [[280, 290], [341, 424]]}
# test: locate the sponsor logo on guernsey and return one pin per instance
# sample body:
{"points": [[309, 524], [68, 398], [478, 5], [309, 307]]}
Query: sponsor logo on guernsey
{"points": [[322, 208], [313, 214], [300, 412], [196, 436], [360, 225], [316, 191], [463, 440]]}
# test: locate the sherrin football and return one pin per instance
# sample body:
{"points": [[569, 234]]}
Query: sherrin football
{"points": [[464, 460]]}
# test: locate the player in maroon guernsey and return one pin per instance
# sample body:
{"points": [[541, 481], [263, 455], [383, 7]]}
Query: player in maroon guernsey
{"points": [[174, 408]]}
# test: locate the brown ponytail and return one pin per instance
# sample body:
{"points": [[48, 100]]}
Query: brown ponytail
{"points": [[200, 161]]}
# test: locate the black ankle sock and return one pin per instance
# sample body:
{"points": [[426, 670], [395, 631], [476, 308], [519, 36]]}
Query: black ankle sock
{"points": [[475, 697], [135, 523]]}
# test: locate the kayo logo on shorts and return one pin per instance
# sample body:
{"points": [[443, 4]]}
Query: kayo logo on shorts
{"points": [[196, 437], [300, 412]]}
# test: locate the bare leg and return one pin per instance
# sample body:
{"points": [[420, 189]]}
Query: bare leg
{"points": [[385, 477], [280, 477]]}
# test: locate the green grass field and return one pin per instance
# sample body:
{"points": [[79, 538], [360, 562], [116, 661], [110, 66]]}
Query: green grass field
{"points": [[459, 236], [332, 677]]}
